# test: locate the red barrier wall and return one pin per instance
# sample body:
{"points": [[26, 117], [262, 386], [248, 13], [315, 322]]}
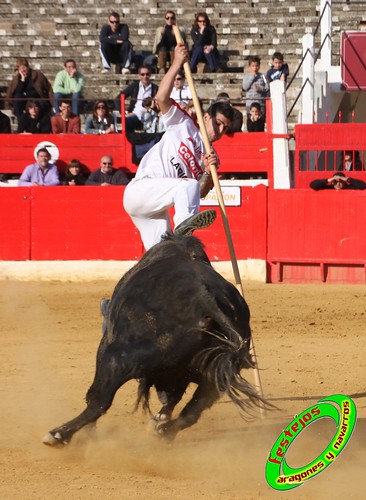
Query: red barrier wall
{"points": [[318, 145], [316, 236], [305, 236], [87, 223]]}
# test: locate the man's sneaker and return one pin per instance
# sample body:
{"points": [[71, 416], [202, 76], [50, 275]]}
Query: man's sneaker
{"points": [[105, 70], [125, 71], [196, 221]]}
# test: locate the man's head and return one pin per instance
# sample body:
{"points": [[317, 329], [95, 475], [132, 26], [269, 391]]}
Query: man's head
{"points": [[339, 180], [70, 66], [114, 21], [179, 80], [223, 97], [277, 60], [254, 63], [43, 157], [106, 164], [32, 108], [65, 109], [218, 120], [255, 111], [23, 67], [169, 17], [144, 75]]}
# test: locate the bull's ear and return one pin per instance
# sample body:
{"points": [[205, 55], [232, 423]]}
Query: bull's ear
{"points": [[195, 249]]}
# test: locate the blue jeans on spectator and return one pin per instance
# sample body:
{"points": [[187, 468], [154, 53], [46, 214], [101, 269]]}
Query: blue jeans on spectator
{"points": [[76, 101], [198, 55]]}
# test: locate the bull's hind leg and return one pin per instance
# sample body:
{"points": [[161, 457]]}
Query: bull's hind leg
{"points": [[99, 398], [204, 397]]}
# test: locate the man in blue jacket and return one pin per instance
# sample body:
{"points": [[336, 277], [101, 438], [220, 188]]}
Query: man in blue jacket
{"points": [[115, 48]]}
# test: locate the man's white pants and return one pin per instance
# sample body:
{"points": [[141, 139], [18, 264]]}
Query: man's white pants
{"points": [[147, 202]]}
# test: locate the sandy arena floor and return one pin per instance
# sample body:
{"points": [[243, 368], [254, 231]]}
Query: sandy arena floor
{"points": [[310, 342]]}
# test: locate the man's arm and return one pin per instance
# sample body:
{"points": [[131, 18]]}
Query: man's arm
{"points": [[25, 178], [356, 183], [318, 184], [166, 85]]}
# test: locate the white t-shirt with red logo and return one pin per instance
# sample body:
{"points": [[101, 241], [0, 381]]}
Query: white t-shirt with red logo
{"points": [[179, 153]]}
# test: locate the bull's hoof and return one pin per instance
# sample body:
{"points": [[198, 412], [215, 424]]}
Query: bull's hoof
{"points": [[154, 422], [54, 440], [165, 430]]}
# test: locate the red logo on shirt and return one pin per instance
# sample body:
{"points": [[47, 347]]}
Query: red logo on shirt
{"points": [[190, 161]]}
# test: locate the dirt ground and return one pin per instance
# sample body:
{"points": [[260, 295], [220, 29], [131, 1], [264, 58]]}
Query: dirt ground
{"points": [[310, 343]]}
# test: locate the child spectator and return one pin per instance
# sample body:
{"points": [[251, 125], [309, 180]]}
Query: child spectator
{"points": [[74, 175], [255, 119], [255, 85], [102, 121], [149, 115], [32, 122], [279, 69]]}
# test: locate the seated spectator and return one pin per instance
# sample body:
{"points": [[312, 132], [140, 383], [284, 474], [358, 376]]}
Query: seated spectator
{"points": [[181, 93], [137, 91], [164, 42], [65, 122], [69, 84], [5, 124], [149, 116], [255, 120], [278, 71], [255, 85], [74, 175], [237, 123], [102, 121], [28, 84], [204, 40], [106, 175], [31, 122], [41, 173], [351, 161], [115, 48], [338, 181]]}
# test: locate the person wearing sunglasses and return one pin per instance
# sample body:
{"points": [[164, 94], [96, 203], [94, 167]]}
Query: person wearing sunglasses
{"points": [[176, 172], [115, 47], [106, 175], [181, 93], [137, 91], [164, 42], [204, 40], [102, 120]]}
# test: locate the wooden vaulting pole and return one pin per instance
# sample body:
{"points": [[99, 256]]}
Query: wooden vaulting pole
{"points": [[207, 144]]}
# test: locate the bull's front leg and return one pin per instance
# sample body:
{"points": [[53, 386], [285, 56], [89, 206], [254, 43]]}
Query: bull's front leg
{"points": [[204, 397]]}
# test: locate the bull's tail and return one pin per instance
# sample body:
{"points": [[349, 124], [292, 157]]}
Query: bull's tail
{"points": [[222, 364]]}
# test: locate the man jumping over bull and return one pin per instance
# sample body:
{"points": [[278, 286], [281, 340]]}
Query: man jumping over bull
{"points": [[176, 171]]}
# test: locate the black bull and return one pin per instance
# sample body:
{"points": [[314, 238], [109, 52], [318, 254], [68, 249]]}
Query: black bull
{"points": [[172, 320]]}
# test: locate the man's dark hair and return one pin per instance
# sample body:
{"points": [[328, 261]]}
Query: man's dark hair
{"points": [[223, 108], [255, 105], [44, 150], [256, 59], [69, 61], [113, 13], [277, 55]]}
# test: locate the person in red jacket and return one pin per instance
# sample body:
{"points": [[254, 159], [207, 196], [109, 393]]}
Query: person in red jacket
{"points": [[65, 122]]}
